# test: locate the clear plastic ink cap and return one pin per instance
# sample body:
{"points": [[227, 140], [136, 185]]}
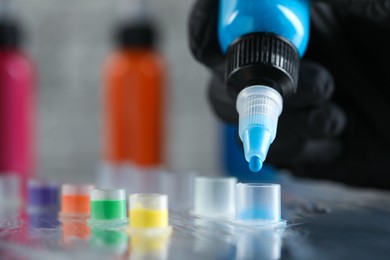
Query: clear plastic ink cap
{"points": [[108, 208], [10, 185], [258, 202], [180, 189], [75, 200], [148, 211], [259, 108], [215, 197]]}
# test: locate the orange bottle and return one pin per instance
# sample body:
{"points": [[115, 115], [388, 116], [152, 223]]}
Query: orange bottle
{"points": [[133, 99]]}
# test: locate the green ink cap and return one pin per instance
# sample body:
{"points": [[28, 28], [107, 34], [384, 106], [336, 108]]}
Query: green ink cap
{"points": [[108, 204]]}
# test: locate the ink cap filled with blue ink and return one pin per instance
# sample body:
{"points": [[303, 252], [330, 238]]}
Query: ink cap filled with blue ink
{"points": [[258, 204]]}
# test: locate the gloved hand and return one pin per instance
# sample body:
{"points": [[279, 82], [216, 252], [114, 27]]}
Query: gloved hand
{"points": [[314, 137]]}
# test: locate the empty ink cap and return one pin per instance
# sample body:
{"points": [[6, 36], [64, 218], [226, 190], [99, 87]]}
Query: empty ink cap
{"points": [[148, 210], [258, 202], [75, 199], [43, 194], [107, 207], [9, 190], [259, 108], [214, 197], [180, 189]]}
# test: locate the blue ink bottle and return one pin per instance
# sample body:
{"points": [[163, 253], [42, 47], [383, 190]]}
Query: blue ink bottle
{"points": [[263, 41]]}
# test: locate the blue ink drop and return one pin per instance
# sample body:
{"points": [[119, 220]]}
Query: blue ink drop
{"points": [[255, 164]]}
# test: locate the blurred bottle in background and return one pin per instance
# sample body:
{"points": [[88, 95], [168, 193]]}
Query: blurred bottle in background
{"points": [[17, 92], [133, 95]]}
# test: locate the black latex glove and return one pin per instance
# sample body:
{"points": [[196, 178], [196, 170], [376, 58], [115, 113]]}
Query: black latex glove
{"points": [[310, 122]]}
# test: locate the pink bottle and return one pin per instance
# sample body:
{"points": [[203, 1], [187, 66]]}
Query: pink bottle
{"points": [[17, 109]]}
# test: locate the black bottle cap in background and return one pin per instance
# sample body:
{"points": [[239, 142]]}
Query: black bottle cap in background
{"points": [[136, 34], [10, 33], [262, 59]]}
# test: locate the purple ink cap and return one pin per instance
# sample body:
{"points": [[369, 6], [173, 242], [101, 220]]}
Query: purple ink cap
{"points": [[43, 194]]}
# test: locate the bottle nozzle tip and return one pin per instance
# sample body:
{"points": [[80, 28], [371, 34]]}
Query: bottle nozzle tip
{"points": [[255, 164]]}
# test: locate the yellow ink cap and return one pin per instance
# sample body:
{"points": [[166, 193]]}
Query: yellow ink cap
{"points": [[148, 210]]}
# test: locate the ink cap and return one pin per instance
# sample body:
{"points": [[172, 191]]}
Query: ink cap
{"points": [[10, 186], [258, 204], [148, 215], [75, 201], [43, 195], [108, 208], [215, 197]]}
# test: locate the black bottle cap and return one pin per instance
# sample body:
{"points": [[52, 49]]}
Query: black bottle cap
{"points": [[136, 34], [10, 33], [262, 58]]}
